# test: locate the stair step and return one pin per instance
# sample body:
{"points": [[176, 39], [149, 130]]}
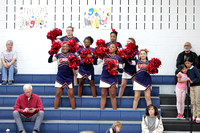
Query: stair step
{"points": [[85, 101], [179, 125], [50, 78], [72, 126], [49, 89]]}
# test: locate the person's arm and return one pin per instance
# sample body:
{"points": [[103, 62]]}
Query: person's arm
{"points": [[196, 60], [17, 106], [159, 128], [120, 65], [39, 105], [197, 76], [144, 126], [52, 59], [13, 61], [4, 63], [178, 60]]}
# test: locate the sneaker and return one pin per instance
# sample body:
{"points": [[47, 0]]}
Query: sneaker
{"points": [[182, 117], [10, 82], [4, 82], [34, 131], [178, 116], [193, 118], [198, 120], [22, 131]]}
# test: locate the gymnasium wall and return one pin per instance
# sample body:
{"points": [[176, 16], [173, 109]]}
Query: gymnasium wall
{"points": [[161, 26]]}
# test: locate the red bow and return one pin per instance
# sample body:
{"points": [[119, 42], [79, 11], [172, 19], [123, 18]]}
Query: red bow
{"points": [[113, 30], [147, 51]]}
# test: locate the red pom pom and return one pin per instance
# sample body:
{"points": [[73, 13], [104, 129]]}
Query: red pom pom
{"points": [[101, 43], [153, 66], [55, 47], [128, 52], [111, 64], [74, 62], [54, 33], [100, 52], [87, 60], [73, 46]]}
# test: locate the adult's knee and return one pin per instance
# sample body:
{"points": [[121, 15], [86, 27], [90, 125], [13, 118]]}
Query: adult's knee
{"points": [[103, 94], [15, 113], [148, 97], [71, 94], [59, 94], [136, 98], [41, 113]]}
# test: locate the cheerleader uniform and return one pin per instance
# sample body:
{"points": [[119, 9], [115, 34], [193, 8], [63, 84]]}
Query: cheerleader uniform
{"points": [[107, 80], [119, 44], [65, 38], [65, 75], [85, 71], [142, 78], [129, 70]]}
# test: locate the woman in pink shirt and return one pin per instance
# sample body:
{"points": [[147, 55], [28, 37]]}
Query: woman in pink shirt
{"points": [[181, 90]]}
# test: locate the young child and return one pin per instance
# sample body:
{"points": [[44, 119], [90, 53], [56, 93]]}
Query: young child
{"points": [[113, 39], [107, 81], [116, 127], [194, 76], [128, 73], [142, 79], [152, 121], [86, 71], [181, 90]]}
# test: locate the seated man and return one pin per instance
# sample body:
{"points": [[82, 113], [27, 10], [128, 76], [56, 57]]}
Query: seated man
{"points": [[185, 54], [9, 65], [28, 107]]}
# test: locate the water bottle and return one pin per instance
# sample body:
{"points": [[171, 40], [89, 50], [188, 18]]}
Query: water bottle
{"points": [[7, 130]]}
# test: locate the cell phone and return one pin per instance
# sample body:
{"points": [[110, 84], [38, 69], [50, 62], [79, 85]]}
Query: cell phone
{"points": [[30, 109]]}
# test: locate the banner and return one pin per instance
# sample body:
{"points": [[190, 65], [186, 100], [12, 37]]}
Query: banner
{"points": [[32, 17], [99, 18]]}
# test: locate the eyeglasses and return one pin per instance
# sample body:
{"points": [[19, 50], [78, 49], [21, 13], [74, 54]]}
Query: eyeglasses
{"points": [[186, 45]]}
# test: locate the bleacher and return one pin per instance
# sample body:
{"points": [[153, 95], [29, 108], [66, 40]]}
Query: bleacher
{"points": [[86, 116]]}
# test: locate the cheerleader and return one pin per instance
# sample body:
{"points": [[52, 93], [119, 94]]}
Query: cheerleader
{"points": [[129, 71], [69, 36], [142, 80], [113, 39], [86, 71], [64, 76], [107, 81]]}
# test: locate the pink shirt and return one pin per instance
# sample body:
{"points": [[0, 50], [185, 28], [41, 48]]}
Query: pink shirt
{"points": [[184, 84]]}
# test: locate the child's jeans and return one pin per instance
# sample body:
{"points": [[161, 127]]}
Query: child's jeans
{"points": [[8, 73], [180, 100]]}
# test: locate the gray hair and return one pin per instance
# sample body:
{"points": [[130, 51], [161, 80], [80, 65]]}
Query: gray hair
{"points": [[27, 86], [9, 42]]}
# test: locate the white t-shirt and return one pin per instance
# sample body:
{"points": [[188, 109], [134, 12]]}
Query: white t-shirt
{"points": [[8, 57]]}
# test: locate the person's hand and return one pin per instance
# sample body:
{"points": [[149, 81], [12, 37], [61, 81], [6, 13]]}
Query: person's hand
{"points": [[9, 64], [31, 110], [178, 75], [191, 81], [26, 110], [114, 68], [188, 79], [5, 65], [89, 55]]}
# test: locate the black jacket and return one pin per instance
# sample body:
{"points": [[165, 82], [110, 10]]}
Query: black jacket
{"points": [[182, 56]]}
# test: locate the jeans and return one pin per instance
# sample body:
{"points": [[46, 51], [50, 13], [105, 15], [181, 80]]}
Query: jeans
{"points": [[37, 118], [8, 73]]}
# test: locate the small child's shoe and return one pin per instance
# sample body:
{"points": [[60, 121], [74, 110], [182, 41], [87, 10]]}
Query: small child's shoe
{"points": [[182, 116], [198, 120], [193, 118], [178, 116]]}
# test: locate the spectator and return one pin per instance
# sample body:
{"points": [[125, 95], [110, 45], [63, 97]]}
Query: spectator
{"points": [[9, 67], [116, 127], [28, 107], [152, 121], [185, 54]]}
